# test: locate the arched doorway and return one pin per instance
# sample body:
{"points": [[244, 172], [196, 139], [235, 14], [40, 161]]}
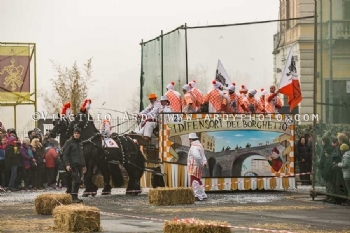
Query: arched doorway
{"points": [[237, 164]]}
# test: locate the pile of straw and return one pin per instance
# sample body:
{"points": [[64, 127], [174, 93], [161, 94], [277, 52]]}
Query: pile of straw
{"points": [[77, 218], [45, 203], [98, 180], [171, 196], [195, 226]]}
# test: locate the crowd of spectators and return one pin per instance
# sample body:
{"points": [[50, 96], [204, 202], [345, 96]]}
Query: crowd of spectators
{"points": [[30, 164], [331, 167]]}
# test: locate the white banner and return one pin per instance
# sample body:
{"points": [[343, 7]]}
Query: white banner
{"points": [[222, 76]]}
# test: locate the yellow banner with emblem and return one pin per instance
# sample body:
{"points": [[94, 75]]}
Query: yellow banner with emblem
{"points": [[14, 73]]}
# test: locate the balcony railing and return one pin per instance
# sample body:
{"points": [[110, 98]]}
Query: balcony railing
{"points": [[341, 29]]}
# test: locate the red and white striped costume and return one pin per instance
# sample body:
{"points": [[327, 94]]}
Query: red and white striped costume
{"points": [[252, 105], [198, 96], [174, 97], [272, 103], [196, 161], [215, 98], [262, 97], [189, 103], [197, 93], [233, 104], [242, 98]]}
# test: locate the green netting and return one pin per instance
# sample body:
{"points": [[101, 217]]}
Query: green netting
{"points": [[151, 70], [246, 57], [174, 59], [244, 51], [333, 87]]}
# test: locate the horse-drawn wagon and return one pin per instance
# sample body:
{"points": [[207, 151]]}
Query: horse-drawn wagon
{"points": [[262, 154]]}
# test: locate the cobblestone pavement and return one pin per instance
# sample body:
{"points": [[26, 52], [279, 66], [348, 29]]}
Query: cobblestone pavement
{"points": [[288, 210]]}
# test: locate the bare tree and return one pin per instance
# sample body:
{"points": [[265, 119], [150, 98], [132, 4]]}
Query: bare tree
{"points": [[70, 85], [200, 75], [134, 106]]}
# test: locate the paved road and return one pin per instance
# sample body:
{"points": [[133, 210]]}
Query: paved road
{"points": [[293, 211]]}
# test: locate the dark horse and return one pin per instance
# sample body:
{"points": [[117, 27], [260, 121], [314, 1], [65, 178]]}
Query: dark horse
{"points": [[128, 154], [61, 128]]}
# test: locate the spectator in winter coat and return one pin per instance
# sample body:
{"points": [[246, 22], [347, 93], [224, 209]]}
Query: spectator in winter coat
{"points": [[2, 163], [74, 161], [337, 171], [12, 160], [38, 151], [328, 157], [345, 165], [28, 162], [304, 158], [50, 164]]}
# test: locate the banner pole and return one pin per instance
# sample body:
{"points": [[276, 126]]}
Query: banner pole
{"points": [[15, 117], [330, 23], [186, 52], [35, 86], [162, 67], [314, 136], [321, 61], [141, 79]]}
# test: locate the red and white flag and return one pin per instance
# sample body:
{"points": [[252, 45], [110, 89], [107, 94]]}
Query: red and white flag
{"points": [[289, 84]]}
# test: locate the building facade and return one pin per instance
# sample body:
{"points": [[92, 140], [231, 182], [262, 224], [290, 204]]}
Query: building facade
{"points": [[207, 141], [299, 33], [333, 55], [333, 61]]}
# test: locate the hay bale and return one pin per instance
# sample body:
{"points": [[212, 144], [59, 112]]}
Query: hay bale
{"points": [[98, 180], [45, 203], [171, 196], [77, 218], [195, 226]]}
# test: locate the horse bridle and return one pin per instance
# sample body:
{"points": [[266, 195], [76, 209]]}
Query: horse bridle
{"points": [[66, 123], [89, 140]]}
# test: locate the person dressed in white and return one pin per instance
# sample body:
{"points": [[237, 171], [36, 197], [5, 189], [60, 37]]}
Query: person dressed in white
{"points": [[148, 115], [165, 105], [196, 161], [150, 123], [106, 128], [165, 108]]}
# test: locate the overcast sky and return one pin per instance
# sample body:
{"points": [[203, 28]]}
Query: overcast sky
{"points": [[110, 32]]}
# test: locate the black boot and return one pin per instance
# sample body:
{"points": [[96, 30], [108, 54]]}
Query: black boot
{"points": [[75, 190]]}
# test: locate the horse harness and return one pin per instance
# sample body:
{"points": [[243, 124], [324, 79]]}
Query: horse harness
{"points": [[126, 159]]}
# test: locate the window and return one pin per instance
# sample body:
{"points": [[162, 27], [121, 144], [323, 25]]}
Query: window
{"points": [[346, 9], [340, 97]]}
